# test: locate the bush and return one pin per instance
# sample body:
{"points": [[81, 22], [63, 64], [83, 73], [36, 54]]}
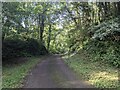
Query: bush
{"points": [[109, 30], [104, 42], [18, 48], [105, 51], [13, 48], [35, 48]]}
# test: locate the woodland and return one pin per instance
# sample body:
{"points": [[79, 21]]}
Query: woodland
{"points": [[40, 28], [90, 29]]}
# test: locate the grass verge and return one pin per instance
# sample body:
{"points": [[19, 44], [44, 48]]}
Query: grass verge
{"points": [[96, 73], [13, 76]]}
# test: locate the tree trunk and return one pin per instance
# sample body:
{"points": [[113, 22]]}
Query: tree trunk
{"points": [[3, 36], [118, 5], [49, 37], [41, 24]]}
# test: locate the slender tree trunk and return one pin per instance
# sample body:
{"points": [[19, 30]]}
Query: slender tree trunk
{"points": [[3, 36], [104, 13], [106, 9], [41, 25], [118, 5], [49, 37]]}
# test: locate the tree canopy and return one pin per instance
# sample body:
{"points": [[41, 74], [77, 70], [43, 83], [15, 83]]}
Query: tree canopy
{"points": [[60, 27]]}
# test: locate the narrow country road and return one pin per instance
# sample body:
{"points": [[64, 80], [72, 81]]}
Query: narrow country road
{"points": [[53, 73]]}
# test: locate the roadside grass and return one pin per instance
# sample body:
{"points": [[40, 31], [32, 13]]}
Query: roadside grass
{"points": [[98, 74], [13, 76]]}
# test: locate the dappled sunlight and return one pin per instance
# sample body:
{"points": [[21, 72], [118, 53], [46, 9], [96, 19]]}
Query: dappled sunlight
{"points": [[104, 75], [76, 84], [92, 72], [86, 35], [103, 79], [72, 54]]}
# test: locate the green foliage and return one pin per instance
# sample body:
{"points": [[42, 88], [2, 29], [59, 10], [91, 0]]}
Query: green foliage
{"points": [[63, 28], [13, 48], [104, 42], [35, 48], [98, 73], [75, 26], [13, 75], [112, 56], [19, 48], [108, 30], [106, 51]]}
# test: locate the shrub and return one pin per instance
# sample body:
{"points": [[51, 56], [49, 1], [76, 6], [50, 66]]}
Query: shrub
{"points": [[35, 48], [12, 48], [104, 42]]}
